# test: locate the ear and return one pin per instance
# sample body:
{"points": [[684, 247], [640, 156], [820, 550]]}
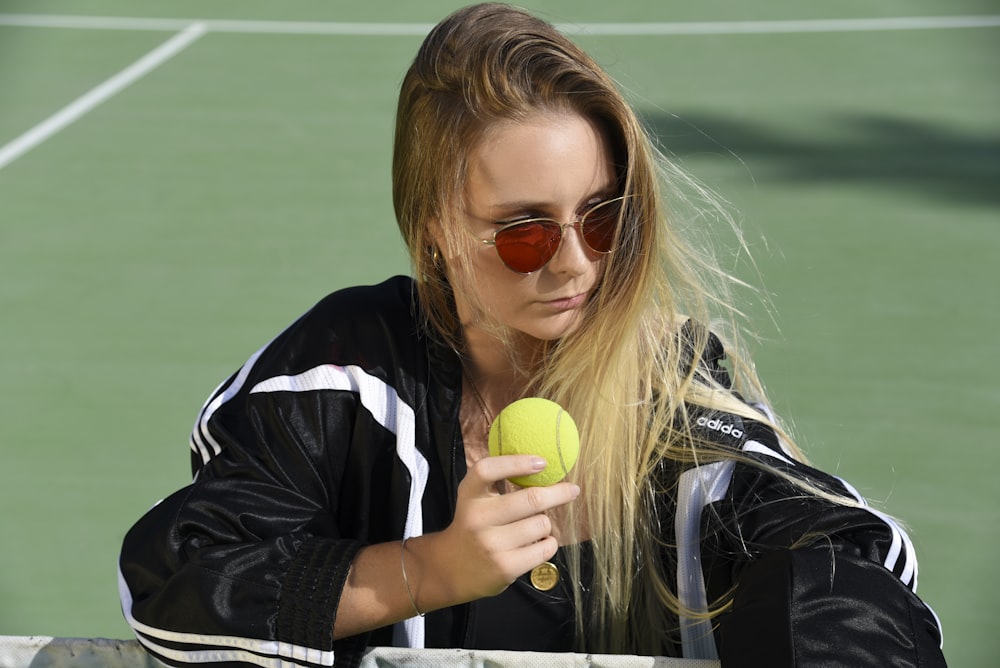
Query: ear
{"points": [[443, 243], [435, 233]]}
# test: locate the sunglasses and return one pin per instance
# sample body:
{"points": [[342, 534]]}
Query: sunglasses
{"points": [[526, 246]]}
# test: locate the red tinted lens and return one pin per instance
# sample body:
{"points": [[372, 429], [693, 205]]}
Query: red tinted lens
{"points": [[600, 225], [526, 247]]}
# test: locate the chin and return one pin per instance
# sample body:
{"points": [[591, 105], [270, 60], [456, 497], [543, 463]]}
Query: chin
{"points": [[552, 329]]}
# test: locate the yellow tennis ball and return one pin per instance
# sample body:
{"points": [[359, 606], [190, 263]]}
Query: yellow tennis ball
{"points": [[536, 426]]}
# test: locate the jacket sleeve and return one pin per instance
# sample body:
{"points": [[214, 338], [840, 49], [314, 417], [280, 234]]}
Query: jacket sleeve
{"points": [[814, 581], [247, 563], [823, 607]]}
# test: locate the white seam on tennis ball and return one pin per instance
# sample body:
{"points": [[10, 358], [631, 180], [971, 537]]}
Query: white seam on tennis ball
{"points": [[499, 424], [562, 462]]}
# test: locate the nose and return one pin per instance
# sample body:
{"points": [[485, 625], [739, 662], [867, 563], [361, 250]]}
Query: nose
{"points": [[573, 255]]}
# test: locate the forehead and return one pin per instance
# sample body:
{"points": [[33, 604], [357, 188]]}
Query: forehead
{"points": [[547, 158]]}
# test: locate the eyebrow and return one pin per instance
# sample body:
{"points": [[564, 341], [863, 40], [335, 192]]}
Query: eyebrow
{"points": [[507, 209]]}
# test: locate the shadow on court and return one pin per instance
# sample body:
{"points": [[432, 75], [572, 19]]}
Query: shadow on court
{"points": [[927, 159]]}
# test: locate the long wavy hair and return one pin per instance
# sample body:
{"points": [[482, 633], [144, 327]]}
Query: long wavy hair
{"points": [[625, 373]]}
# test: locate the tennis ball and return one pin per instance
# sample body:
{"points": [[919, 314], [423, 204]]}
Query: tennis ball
{"points": [[536, 426]]}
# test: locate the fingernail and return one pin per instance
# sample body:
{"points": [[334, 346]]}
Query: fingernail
{"points": [[576, 491], [538, 463]]}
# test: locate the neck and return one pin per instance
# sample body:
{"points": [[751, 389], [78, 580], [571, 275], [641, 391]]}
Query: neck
{"points": [[489, 367]]}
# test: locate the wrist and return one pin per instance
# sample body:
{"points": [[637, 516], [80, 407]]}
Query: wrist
{"points": [[406, 580], [430, 574]]}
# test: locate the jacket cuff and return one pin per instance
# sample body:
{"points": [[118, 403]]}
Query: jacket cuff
{"points": [[310, 595]]}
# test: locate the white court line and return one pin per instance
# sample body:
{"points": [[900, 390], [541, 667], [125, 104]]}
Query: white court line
{"points": [[399, 29], [807, 26], [96, 96]]}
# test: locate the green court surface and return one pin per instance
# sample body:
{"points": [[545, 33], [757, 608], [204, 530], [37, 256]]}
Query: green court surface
{"points": [[165, 233]]}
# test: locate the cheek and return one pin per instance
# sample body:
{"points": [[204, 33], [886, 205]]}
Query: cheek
{"points": [[501, 293], [495, 284], [478, 278]]}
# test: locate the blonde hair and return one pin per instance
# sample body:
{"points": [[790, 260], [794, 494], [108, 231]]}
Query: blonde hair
{"points": [[626, 374]]}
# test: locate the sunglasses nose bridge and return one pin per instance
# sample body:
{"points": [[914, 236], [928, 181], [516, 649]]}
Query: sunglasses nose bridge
{"points": [[576, 222]]}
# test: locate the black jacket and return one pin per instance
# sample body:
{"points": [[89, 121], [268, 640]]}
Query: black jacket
{"points": [[343, 431]]}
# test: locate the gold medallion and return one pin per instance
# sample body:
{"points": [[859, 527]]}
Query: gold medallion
{"points": [[544, 576]]}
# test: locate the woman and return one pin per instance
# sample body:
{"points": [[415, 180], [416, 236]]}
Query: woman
{"points": [[343, 497]]}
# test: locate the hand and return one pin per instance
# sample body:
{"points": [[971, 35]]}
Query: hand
{"points": [[494, 538]]}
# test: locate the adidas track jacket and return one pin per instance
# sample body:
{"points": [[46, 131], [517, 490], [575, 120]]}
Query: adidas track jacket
{"points": [[343, 431]]}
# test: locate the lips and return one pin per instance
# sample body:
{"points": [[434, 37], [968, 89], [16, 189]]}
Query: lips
{"points": [[567, 303]]}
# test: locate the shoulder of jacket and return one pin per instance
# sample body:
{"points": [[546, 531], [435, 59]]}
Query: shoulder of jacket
{"points": [[393, 298], [372, 328]]}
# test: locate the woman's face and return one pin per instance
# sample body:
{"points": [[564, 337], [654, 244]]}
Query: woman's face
{"points": [[554, 165]]}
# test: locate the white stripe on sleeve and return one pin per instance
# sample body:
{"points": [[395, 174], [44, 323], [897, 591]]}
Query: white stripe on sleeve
{"points": [[697, 488]]}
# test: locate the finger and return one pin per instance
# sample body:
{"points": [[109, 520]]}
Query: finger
{"points": [[531, 502], [489, 470], [521, 560], [516, 535]]}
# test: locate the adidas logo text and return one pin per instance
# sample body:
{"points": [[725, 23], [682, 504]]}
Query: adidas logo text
{"points": [[720, 426]]}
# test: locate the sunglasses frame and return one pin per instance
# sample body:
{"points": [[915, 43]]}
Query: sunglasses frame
{"points": [[578, 223]]}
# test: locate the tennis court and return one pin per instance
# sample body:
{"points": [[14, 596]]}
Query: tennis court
{"points": [[179, 180]]}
